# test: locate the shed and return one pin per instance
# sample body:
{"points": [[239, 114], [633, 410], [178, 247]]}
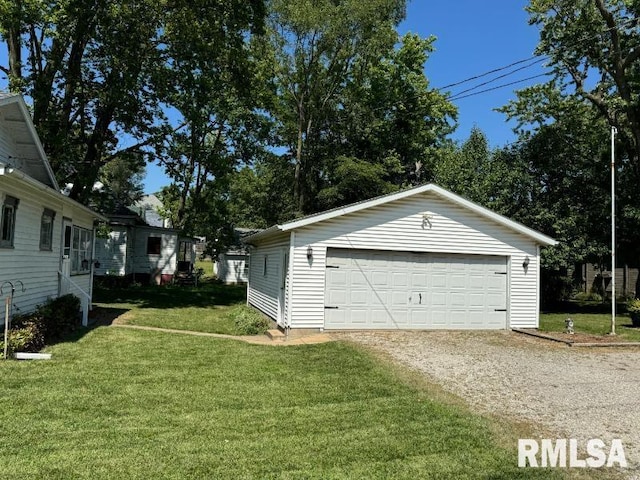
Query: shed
{"points": [[421, 258], [232, 266]]}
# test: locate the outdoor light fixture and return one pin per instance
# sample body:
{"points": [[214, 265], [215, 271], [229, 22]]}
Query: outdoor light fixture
{"points": [[525, 264], [309, 252]]}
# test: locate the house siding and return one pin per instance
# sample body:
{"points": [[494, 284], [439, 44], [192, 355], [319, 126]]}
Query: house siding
{"points": [[165, 263], [231, 268], [111, 252], [399, 226], [37, 269], [264, 287]]}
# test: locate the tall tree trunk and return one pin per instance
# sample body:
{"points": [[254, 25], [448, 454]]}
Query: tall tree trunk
{"points": [[298, 188]]}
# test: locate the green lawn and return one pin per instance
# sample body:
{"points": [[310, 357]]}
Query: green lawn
{"points": [[591, 323], [204, 308], [118, 403]]}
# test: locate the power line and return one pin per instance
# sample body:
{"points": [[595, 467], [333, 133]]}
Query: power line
{"points": [[496, 78], [498, 86], [495, 70], [539, 57]]}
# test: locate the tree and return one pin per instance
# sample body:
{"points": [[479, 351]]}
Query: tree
{"points": [[593, 47], [388, 111], [316, 45], [123, 177], [212, 92], [95, 70]]}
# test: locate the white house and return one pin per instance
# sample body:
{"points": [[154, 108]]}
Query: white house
{"points": [[141, 252], [422, 258], [46, 239]]}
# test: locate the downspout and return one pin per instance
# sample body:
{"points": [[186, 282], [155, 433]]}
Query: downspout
{"points": [[289, 305], [538, 280]]}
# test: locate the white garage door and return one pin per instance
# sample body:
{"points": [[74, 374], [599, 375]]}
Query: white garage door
{"points": [[375, 289]]}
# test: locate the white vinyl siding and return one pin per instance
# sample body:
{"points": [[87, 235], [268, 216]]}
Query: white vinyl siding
{"points": [[401, 226], [111, 252], [36, 268], [232, 268], [154, 264], [265, 286]]}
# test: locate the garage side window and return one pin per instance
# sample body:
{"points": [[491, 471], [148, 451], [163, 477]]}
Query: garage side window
{"points": [[264, 265], [8, 221], [46, 229], [154, 245]]}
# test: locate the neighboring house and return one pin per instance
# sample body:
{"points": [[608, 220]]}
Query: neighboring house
{"points": [[594, 279], [46, 239], [232, 267], [422, 258], [149, 208], [141, 252]]}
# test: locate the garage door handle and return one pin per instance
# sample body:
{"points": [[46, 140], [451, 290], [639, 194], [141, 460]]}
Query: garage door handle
{"points": [[500, 310], [331, 308]]}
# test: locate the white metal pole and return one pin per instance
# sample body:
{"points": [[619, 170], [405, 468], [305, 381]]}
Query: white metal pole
{"points": [[613, 231], [7, 308]]}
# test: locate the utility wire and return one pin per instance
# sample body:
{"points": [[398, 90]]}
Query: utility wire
{"points": [[539, 58], [495, 70], [496, 78], [455, 97]]}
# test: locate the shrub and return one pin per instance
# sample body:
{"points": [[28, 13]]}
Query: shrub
{"points": [[25, 338], [50, 322], [633, 305], [588, 297], [248, 321], [59, 317]]}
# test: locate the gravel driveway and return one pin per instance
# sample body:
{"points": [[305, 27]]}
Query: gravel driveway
{"points": [[572, 392]]}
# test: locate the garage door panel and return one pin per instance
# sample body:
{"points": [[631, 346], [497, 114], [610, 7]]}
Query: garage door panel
{"points": [[359, 296], [338, 298], [399, 299], [375, 289]]}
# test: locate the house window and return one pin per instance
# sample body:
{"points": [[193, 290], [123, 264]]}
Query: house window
{"points": [[8, 221], [46, 229], [154, 245], [81, 251]]}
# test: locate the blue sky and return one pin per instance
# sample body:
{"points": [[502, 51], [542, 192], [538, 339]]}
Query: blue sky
{"points": [[473, 37]]}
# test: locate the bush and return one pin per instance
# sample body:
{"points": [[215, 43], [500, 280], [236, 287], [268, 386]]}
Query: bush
{"points": [[25, 339], [588, 297], [248, 321], [50, 322], [59, 317], [633, 306]]}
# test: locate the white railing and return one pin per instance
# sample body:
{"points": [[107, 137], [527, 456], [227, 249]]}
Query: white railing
{"points": [[85, 298]]}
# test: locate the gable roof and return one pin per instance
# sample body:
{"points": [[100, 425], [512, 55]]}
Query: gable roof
{"points": [[31, 158], [427, 188]]}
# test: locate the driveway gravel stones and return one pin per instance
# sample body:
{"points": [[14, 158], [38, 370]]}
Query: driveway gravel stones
{"points": [[573, 393]]}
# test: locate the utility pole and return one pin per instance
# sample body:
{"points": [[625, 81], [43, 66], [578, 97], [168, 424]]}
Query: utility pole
{"points": [[614, 130]]}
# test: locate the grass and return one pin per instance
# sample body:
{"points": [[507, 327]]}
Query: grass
{"points": [[206, 266], [204, 308], [590, 323], [117, 403]]}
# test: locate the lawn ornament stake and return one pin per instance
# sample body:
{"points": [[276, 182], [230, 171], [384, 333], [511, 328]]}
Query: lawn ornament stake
{"points": [[568, 326], [7, 311]]}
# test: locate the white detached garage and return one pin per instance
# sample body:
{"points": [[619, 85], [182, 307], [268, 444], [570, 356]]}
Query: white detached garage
{"points": [[422, 258]]}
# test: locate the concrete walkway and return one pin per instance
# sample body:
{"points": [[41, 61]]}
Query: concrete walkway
{"points": [[253, 339]]}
